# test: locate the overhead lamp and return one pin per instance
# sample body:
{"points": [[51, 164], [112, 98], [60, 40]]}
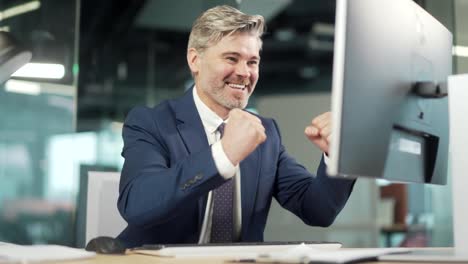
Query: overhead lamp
{"points": [[22, 87], [19, 9], [460, 51], [41, 70]]}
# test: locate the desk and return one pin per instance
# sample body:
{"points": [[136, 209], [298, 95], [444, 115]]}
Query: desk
{"points": [[142, 259]]}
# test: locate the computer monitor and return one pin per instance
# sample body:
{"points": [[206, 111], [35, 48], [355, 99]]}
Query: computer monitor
{"points": [[389, 103]]}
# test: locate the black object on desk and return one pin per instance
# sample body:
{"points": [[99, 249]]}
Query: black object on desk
{"points": [[106, 245]]}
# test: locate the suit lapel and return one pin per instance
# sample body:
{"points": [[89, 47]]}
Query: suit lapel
{"points": [[189, 123], [250, 174], [192, 132]]}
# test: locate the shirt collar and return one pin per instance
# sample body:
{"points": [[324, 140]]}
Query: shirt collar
{"points": [[210, 119]]}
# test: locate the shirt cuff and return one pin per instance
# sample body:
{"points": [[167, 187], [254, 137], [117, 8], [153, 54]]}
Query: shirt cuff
{"points": [[326, 159], [222, 162]]}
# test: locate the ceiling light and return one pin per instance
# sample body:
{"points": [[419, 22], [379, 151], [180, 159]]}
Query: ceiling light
{"points": [[460, 51], [323, 29], [41, 70], [19, 9], [22, 87]]}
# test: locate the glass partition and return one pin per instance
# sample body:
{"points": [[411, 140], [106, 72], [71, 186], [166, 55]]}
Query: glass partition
{"points": [[37, 204]]}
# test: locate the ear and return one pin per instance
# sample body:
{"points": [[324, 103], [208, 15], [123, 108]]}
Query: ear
{"points": [[193, 60]]}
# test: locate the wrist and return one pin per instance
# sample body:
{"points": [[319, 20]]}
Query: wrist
{"points": [[231, 156]]}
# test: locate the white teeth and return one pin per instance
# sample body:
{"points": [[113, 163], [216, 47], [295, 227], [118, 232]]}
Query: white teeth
{"points": [[237, 86]]}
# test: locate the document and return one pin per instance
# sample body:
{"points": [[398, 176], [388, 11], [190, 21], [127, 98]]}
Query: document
{"points": [[11, 253], [443, 255], [301, 254], [228, 251], [305, 254]]}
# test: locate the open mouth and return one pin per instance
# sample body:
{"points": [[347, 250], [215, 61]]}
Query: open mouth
{"points": [[237, 86]]}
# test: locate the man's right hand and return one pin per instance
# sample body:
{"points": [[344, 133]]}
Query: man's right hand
{"points": [[242, 134]]}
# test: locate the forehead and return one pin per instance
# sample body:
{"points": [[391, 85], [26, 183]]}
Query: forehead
{"points": [[244, 43]]}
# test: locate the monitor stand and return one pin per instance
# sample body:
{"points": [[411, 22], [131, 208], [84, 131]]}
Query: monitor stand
{"points": [[458, 107]]}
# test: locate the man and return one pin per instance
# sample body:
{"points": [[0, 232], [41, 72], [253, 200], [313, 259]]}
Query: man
{"points": [[181, 183]]}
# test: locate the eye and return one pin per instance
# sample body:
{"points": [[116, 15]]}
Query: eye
{"points": [[231, 59], [253, 62]]}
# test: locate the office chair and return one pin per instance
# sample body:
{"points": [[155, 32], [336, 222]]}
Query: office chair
{"points": [[102, 215]]}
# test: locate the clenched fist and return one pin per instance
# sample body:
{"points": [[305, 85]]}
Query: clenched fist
{"points": [[319, 131], [242, 134]]}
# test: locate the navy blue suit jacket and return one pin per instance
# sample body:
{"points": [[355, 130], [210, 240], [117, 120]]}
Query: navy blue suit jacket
{"points": [[169, 170]]}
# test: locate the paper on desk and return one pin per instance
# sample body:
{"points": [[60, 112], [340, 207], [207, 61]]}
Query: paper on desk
{"points": [[37, 253], [304, 254], [231, 251]]}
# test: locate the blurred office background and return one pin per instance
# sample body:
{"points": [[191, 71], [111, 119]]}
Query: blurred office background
{"points": [[98, 59]]}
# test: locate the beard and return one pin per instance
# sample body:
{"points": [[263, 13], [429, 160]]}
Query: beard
{"points": [[222, 97]]}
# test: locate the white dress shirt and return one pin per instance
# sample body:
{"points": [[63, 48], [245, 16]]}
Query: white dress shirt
{"points": [[226, 169]]}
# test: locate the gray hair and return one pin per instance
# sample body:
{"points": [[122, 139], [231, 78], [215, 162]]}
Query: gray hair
{"points": [[220, 21]]}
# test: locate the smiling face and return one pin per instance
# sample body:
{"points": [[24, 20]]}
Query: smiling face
{"points": [[226, 73]]}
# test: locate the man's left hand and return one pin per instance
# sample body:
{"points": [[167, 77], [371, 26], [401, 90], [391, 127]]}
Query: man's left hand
{"points": [[319, 131]]}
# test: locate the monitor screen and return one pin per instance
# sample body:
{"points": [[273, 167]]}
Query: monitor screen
{"points": [[389, 103]]}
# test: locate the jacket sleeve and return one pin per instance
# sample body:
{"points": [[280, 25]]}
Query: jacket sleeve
{"points": [[154, 188], [317, 200]]}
